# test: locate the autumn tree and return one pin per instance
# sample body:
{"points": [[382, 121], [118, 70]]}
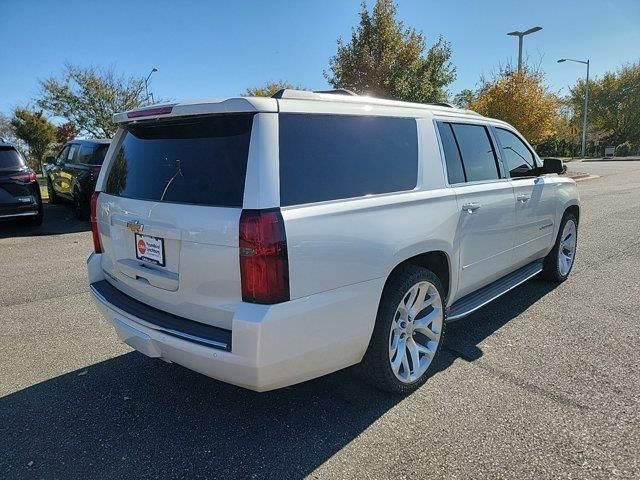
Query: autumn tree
{"points": [[386, 59], [521, 99], [614, 106], [65, 133], [566, 139], [89, 97], [36, 131], [269, 88]]}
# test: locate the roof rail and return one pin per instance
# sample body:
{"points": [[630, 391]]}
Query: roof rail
{"points": [[308, 94], [338, 91], [291, 93], [443, 104]]}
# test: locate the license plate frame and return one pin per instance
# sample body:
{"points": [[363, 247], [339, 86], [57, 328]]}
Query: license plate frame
{"points": [[151, 249]]}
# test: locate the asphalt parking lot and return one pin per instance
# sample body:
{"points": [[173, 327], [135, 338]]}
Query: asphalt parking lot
{"points": [[543, 383]]}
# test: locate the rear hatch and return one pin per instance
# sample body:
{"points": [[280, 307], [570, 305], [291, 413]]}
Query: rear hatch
{"points": [[169, 212], [15, 183]]}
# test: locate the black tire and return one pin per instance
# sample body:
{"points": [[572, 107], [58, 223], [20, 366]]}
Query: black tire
{"points": [[375, 367], [53, 197], [551, 265], [80, 206]]}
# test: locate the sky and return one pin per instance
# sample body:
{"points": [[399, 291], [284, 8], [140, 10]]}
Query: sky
{"points": [[220, 48]]}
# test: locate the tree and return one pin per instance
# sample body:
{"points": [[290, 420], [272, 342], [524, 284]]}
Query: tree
{"points": [[269, 88], [614, 106], [566, 139], [386, 59], [65, 133], [7, 131], [36, 131], [521, 99], [464, 98], [88, 98]]}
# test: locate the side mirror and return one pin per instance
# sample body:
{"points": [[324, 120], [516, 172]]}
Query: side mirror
{"points": [[553, 165]]}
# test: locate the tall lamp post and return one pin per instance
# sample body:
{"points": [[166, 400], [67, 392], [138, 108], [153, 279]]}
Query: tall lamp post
{"points": [[586, 102], [520, 36], [146, 82]]}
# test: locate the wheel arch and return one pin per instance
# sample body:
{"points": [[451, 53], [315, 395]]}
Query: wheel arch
{"points": [[573, 209], [437, 260]]}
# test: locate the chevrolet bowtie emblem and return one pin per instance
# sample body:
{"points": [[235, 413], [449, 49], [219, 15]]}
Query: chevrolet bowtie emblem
{"points": [[135, 227]]}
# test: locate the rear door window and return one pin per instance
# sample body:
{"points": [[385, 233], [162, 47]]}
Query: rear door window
{"points": [[198, 160], [329, 157], [478, 155], [455, 169], [10, 159]]}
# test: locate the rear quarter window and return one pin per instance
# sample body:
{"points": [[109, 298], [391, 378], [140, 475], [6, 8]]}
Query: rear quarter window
{"points": [[198, 160], [330, 157]]}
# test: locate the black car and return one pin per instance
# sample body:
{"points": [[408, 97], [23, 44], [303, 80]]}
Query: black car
{"points": [[72, 174], [19, 190]]}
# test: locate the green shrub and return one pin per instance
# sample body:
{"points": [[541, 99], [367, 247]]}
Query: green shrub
{"points": [[623, 150]]}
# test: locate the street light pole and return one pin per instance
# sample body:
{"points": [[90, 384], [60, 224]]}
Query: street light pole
{"points": [[146, 82], [520, 36], [584, 119], [586, 102]]}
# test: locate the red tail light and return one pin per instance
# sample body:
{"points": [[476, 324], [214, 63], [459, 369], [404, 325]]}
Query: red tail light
{"points": [[264, 263], [97, 246], [25, 177]]}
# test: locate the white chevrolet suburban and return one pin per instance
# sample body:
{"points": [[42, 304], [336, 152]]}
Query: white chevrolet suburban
{"points": [[268, 241]]}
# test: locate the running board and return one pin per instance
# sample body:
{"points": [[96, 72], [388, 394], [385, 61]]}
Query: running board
{"points": [[478, 299]]}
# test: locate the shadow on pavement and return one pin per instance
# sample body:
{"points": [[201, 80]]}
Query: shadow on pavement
{"points": [[58, 219], [133, 417], [463, 336]]}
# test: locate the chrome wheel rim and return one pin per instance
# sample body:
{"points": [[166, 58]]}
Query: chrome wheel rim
{"points": [[567, 249], [415, 332]]}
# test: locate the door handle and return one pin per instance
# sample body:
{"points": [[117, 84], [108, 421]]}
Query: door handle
{"points": [[470, 207], [523, 198]]}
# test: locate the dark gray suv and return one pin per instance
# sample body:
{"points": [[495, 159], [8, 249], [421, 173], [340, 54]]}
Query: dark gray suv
{"points": [[19, 190]]}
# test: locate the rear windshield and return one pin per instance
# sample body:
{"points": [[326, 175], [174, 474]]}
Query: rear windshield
{"points": [[10, 159], [199, 161]]}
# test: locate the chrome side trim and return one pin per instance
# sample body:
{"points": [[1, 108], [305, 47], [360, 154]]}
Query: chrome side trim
{"points": [[174, 333], [24, 214]]}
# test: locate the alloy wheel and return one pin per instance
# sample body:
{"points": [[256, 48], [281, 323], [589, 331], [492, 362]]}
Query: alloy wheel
{"points": [[415, 332], [567, 249]]}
